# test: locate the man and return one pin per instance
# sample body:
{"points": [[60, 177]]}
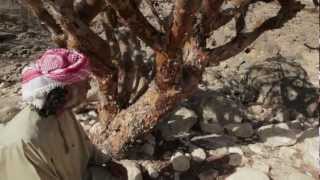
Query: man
{"points": [[44, 141]]}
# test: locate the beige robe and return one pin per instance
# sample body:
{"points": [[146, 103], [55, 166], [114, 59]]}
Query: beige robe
{"points": [[52, 148]]}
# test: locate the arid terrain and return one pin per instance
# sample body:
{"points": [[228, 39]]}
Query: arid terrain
{"points": [[256, 116]]}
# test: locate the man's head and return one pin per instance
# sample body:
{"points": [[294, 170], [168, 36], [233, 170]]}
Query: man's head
{"points": [[76, 93], [59, 74]]}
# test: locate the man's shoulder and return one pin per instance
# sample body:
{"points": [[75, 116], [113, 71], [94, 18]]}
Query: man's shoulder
{"points": [[21, 128]]}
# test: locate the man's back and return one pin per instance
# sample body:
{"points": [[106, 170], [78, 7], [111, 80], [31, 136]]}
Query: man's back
{"points": [[43, 148]]}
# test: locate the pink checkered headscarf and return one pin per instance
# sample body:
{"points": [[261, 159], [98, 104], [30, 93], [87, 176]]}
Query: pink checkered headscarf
{"points": [[55, 68]]}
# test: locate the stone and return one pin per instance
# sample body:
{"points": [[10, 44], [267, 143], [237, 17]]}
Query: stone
{"points": [[177, 123], [281, 115], [150, 139], [4, 84], [276, 135], [247, 173], [287, 152], [180, 162], [235, 150], [260, 166], [4, 48], [216, 108], [152, 172], [208, 175], [299, 176], [93, 114], [148, 149], [309, 145], [92, 122], [219, 152], [198, 155], [257, 148], [212, 128], [6, 36], [236, 159], [240, 130], [7, 113], [213, 141], [82, 117], [256, 109], [133, 170]]}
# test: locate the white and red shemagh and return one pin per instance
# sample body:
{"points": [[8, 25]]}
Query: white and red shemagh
{"points": [[55, 68]]}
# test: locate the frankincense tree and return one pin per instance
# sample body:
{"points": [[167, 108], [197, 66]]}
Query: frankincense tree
{"points": [[179, 44]]}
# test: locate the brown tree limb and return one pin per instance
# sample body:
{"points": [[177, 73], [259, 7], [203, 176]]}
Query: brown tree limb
{"points": [[217, 15], [169, 64], [88, 9], [243, 40], [181, 27], [37, 8], [139, 25]]}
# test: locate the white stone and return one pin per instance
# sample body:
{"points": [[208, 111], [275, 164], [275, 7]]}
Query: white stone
{"points": [[133, 170], [152, 172], [257, 148], [261, 166], [309, 145], [256, 109], [82, 117], [235, 150], [179, 122], [277, 135], [287, 152], [180, 162], [247, 173], [219, 152], [198, 155], [92, 122], [299, 176], [93, 114], [240, 129]]}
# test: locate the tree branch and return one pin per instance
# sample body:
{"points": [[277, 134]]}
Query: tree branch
{"points": [[182, 23], [80, 36], [243, 40], [88, 9], [37, 8], [155, 14], [139, 25], [217, 13]]}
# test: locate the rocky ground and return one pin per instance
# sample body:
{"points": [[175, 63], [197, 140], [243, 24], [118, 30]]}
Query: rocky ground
{"points": [[256, 116]]}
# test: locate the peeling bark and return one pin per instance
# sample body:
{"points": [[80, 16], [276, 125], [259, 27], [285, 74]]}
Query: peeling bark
{"points": [[139, 119]]}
